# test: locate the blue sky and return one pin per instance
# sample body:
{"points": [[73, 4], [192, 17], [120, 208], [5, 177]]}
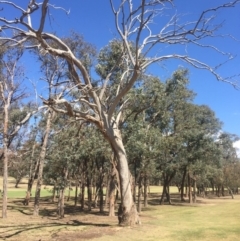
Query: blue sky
{"points": [[94, 20]]}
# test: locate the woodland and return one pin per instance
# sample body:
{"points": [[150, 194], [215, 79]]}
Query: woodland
{"points": [[109, 136]]}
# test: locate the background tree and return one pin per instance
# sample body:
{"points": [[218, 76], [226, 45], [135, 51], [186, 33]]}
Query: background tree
{"points": [[11, 93]]}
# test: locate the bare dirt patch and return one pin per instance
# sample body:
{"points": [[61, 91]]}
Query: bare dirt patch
{"points": [[76, 225]]}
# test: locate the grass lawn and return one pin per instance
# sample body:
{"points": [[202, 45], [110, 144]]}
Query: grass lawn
{"points": [[20, 192], [211, 219]]}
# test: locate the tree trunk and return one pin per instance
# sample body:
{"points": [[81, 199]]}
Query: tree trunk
{"points": [[222, 189], [18, 180], [100, 170], [168, 194], [41, 164], [230, 192], [145, 191], [164, 190], [5, 183], [218, 191], [61, 203], [32, 174], [107, 191], [166, 182], [186, 189], [212, 184], [135, 182], [94, 193], [204, 191], [189, 188], [162, 196], [82, 196], [194, 190], [69, 192], [111, 193], [182, 184], [140, 193], [5, 152], [89, 191], [101, 203], [76, 192], [61, 194], [54, 193], [127, 212]]}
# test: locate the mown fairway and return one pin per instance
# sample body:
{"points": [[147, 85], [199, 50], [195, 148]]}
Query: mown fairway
{"points": [[211, 219]]}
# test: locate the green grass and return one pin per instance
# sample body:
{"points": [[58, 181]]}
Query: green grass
{"points": [[207, 222], [20, 192]]}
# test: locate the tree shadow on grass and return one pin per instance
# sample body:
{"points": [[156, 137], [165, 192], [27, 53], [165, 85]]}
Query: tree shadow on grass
{"points": [[49, 209], [18, 229]]}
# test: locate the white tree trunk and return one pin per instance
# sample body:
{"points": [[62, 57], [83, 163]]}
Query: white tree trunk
{"points": [[127, 212], [5, 149]]}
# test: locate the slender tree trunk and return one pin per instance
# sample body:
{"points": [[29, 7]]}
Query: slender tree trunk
{"points": [[111, 192], [89, 191], [76, 192], [135, 181], [32, 173], [164, 189], [94, 193], [18, 180], [204, 191], [107, 192], [100, 186], [5, 183], [82, 199], [186, 189], [101, 202], [218, 191], [140, 193], [168, 194], [230, 192], [212, 184], [54, 193], [5, 150], [194, 190], [189, 188], [222, 189], [41, 164], [69, 192], [61, 194], [145, 191], [182, 184]]}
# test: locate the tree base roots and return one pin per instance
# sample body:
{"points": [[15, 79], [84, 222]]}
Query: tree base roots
{"points": [[130, 218]]}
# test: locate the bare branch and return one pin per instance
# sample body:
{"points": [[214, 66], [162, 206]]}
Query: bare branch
{"points": [[43, 16]]}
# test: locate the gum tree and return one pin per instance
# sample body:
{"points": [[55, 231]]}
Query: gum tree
{"points": [[12, 93], [134, 26]]}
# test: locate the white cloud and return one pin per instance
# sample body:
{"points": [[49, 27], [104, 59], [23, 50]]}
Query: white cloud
{"points": [[236, 145]]}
